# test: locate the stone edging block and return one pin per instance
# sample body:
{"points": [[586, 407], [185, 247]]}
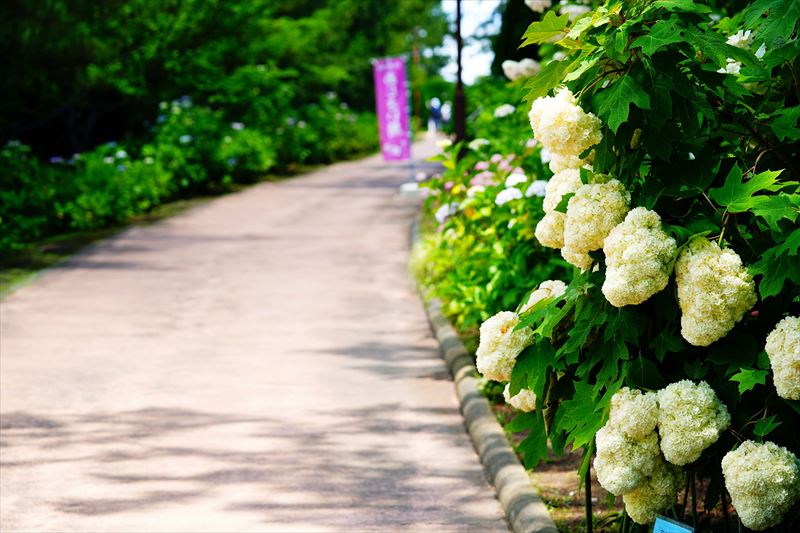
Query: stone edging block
{"points": [[524, 509]]}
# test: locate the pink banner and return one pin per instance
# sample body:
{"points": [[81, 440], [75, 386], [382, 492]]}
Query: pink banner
{"points": [[392, 102]]}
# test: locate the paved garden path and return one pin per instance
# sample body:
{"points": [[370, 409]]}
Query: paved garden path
{"points": [[259, 363]]}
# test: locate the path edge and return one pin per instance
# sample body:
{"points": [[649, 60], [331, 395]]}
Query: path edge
{"points": [[523, 507]]}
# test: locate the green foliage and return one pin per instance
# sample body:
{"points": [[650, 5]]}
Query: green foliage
{"points": [[169, 80], [700, 125]]}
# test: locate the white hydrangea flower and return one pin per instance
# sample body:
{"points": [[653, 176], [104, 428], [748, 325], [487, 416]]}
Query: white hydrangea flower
{"points": [[475, 189], [592, 213], [528, 67], [515, 179], [633, 413], [731, 67], [475, 144], [581, 260], [550, 230], [524, 400], [444, 143], [561, 125], [561, 183], [445, 212], [690, 419], [638, 258], [520, 69], [622, 464], [537, 188], [539, 6], [547, 289], [510, 69], [714, 291], [573, 10], [500, 345], [783, 349], [506, 195], [655, 494], [504, 110], [559, 162], [741, 39], [763, 481]]}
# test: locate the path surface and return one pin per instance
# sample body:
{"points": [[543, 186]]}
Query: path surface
{"points": [[259, 363]]}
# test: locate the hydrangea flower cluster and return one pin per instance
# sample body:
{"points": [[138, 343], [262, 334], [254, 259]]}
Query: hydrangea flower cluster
{"points": [[622, 464], [539, 6], [504, 110], [550, 229], [714, 291], [524, 400], [547, 289], [630, 460], [763, 481], [638, 258], [500, 345], [783, 349], [592, 213], [654, 494], [633, 413], [507, 195], [523, 68], [563, 128], [690, 419], [627, 446]]}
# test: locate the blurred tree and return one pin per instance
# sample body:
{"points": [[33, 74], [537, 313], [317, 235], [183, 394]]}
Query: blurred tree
{"points": [[78, 72], [515, 17]]}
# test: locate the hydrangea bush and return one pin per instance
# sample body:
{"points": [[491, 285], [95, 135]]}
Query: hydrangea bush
{"points": [[671, 127]]}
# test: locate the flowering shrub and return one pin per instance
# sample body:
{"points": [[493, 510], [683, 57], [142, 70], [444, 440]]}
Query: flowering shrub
{"points": [[672, 133]]}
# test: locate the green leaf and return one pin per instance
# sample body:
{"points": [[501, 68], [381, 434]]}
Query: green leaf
{"points": [[662, 33], [530, 370], [783, 126], [765, 426], [533, 448], [773, 209], [748, 378], [550, 76], [562, 204], [579, 416], [779, 24], [522, 422], [541, 31], [778, 265], [714, 46], [666, 342], [682, 5], [737, 195], [614, 102]]}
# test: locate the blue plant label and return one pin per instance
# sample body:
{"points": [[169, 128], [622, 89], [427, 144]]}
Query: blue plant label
{"points": [[668, 525]]}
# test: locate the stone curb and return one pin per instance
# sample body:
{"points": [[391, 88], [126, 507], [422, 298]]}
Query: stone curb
{"points": [[524, 509]]}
